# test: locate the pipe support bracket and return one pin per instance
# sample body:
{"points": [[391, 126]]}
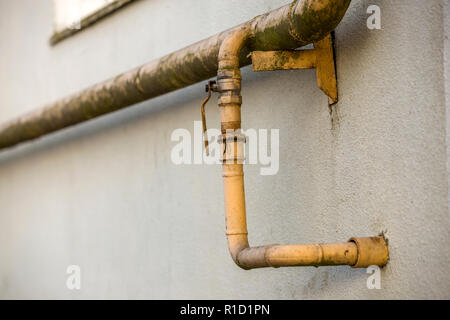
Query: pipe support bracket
{"points": [[320, 58]]}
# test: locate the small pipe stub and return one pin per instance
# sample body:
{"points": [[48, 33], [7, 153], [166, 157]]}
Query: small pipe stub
{"points": [[371, 251]]}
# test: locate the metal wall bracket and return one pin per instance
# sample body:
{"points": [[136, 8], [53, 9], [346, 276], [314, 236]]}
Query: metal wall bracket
{"points": [[320, 58]]}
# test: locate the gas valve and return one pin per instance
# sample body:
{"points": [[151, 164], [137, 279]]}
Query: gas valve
{"points": [[211, 86]]}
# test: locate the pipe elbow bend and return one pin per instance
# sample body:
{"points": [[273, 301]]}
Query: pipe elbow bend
{"points": [[311, 20], [231, 47]]}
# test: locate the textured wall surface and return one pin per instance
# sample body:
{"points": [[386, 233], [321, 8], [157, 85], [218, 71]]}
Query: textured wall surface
{"points": [[105, 195]]}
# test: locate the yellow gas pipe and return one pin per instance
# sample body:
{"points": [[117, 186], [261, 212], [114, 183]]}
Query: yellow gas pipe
{"points": [[357, 252]]}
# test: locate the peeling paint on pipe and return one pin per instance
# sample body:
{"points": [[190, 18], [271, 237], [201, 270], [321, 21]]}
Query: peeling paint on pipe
{"points": [[289, 27]]}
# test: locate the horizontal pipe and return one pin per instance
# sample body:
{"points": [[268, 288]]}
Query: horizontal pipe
{"points": [[327, 254], [288, 27]]}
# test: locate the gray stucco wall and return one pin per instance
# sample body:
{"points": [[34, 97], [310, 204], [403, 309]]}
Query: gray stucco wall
{"points": [[106, 196]]}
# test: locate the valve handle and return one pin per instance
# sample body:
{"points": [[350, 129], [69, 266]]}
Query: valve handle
{"points": [[210, 86]]}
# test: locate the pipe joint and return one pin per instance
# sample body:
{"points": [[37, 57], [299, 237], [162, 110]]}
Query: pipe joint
{"points": [[227, 86], [229, 81], [229, 99], [231, 72], [370, 251], [229, 171], [230, 137], [232, 147]]}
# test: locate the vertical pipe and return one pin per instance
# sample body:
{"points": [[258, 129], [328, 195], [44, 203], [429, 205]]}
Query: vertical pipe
{"points": [[229, 86]]}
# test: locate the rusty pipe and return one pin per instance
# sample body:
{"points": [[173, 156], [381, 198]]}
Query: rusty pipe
{"points": [[288, 27], [357, 252]]}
